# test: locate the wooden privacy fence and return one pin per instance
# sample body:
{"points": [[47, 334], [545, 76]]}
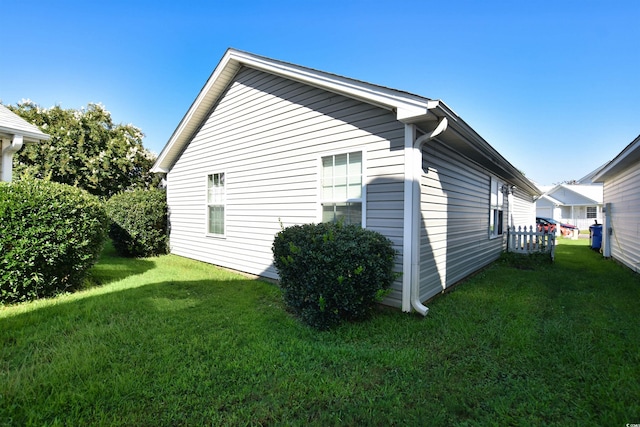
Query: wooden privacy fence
{"points": [[530, 241]]}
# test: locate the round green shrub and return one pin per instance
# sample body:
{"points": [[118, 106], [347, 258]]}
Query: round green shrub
{"points": [[330, 273], [138, 222], [50, 235]]}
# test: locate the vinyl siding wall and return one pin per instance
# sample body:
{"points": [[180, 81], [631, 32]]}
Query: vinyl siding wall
{"points": [[522, 212], [622, 192], [267, 134], [455, 203]]}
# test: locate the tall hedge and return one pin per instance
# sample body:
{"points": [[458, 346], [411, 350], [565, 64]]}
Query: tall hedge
{"points": [[50, 235], [139, 222], [330, 273]]}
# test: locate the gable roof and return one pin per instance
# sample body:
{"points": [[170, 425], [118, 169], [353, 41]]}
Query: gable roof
{"points": [[409, 109], [551, 199], [583, 195], [12, 124], [629, 156]]}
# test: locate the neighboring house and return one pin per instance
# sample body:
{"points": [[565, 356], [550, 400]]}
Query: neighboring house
{"points": [[621, 230], [577, 204], [14, 131], [268, 144]]}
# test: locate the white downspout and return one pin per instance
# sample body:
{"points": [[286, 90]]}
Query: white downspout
{"points": [[413, 173], [607, 231], [7, 157]]}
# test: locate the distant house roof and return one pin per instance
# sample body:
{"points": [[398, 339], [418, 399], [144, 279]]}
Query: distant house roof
{"points": [[591, 192], [576, 195], [12, 124], [629, 156], [551, 199], [408, 108]]}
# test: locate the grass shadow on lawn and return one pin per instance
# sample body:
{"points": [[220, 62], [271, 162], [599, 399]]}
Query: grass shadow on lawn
{"points": [[185, 343], [111, 267]]}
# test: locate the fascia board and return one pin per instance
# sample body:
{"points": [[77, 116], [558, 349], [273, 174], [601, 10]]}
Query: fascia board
{"points": [[203, 103], [620, 162], [484, 148], [28, 136], [408, 108]]}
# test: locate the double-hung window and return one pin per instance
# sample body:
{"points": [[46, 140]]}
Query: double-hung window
{"points": [[216, 198], [592, 212], [341, 188], [496, 215]]}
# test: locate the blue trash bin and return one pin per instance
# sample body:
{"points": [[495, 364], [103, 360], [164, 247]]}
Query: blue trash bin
{"points": [[595, 232]]}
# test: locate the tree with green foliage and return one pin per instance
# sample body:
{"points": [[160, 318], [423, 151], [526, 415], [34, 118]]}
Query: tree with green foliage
{"points": [[86, 150]]}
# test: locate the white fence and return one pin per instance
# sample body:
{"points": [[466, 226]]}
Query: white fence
{"points": [[581, 223], [530, 241]]}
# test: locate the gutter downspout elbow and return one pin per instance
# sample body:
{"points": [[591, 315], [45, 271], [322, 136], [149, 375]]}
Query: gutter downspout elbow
{"points": [[14, 147], [441, 127], [7, 156], [415, 250]]}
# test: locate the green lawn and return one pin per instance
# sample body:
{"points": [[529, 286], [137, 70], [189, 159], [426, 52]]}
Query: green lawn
{"points": [[170, 341]]}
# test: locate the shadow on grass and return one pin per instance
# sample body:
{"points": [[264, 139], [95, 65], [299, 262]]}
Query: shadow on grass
{"points": [[167, 346], [111, 267]]}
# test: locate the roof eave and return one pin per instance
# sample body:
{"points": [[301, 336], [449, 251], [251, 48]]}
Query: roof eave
{"points": [[629, 155], [407, 107], [485, 149], [28, 136]]}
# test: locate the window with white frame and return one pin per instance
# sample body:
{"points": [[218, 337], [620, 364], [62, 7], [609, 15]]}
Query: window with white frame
{"points": [[341, 188], [592, 212], [216, 198], [496, 213]]}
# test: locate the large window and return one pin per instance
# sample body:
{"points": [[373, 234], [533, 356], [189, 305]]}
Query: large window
{"points": [[216, 198], [341, 188], [496, 215], [592, 212]]}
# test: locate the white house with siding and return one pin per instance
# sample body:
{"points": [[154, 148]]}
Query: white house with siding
{"points": [[14, 132], [577, 204], [268, 144], [621, 230]]}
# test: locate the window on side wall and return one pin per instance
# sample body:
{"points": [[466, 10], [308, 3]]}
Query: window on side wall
{"points": [[496, 212], [341, 188], [216, 198]]}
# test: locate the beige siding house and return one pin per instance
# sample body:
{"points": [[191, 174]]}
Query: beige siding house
{"points": [[621, 230], [14, 131], [268, 144]]}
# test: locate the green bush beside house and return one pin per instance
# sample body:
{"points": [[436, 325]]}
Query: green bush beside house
{"points": [[50, 235], [138, 222], [330, 273]]}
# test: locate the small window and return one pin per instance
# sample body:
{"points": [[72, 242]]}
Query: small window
{"points": [[496, 209], [592, 212], [216, 198], [341, 187]]}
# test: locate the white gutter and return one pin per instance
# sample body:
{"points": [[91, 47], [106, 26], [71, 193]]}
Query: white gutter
{"points": [[411, 241], [7, 157]]}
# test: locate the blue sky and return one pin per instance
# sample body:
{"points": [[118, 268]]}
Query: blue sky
{"points": [[553, 85]]}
